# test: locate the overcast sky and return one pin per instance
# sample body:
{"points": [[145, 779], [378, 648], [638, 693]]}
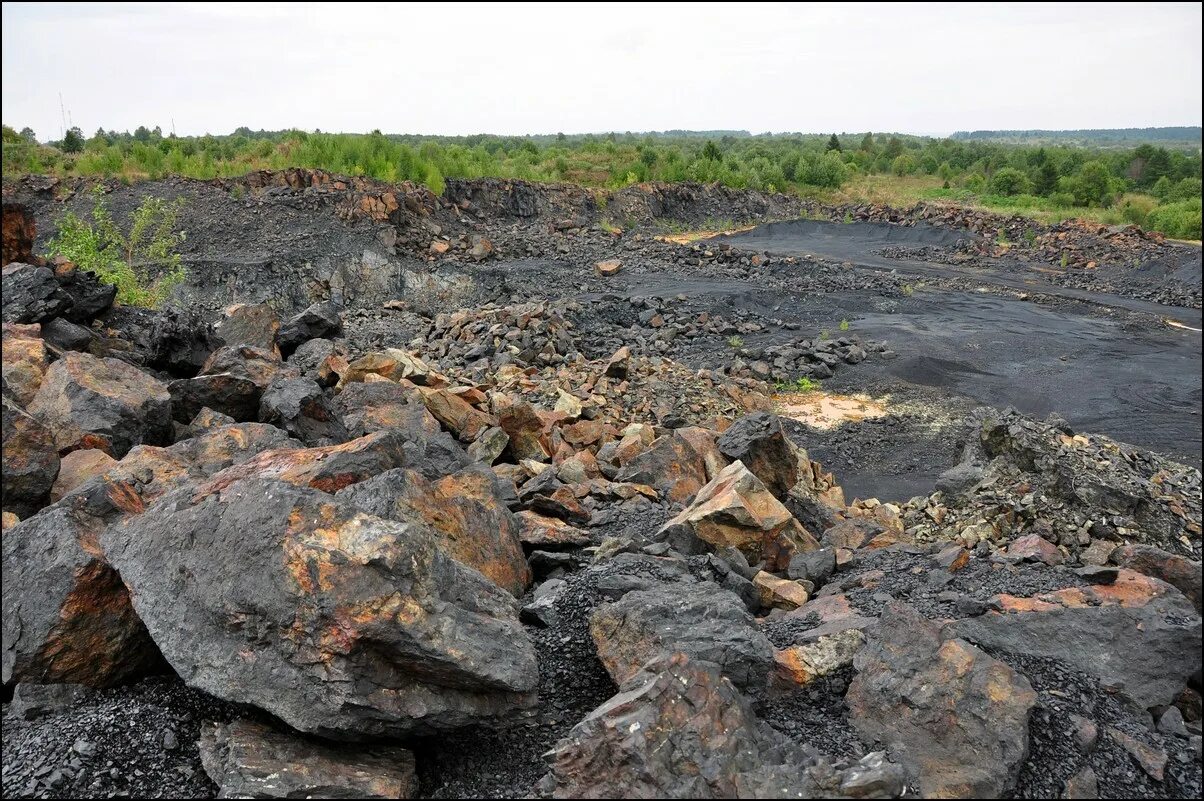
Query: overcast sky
{"points": [[459, 69]]}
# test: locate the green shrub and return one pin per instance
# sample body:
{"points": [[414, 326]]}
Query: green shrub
{"points": [[1010, 181], [844, 325], [735, 342], [143, 264], [1180, 220]]}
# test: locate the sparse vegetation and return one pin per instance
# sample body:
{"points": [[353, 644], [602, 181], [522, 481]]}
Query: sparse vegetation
{"points": [[143, 264], [908, 290], [803, 384], [735, 342], [844, 325]]}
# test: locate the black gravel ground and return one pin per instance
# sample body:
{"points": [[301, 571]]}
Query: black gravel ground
{"points": [[129, 742]]}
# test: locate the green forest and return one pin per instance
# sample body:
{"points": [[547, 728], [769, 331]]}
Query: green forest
{"points": [[1150, 184]]}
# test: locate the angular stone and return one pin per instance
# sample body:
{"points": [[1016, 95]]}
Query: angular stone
{"points": [[300, 407], [66, 335], [25, 361], [393, 364], [608, 267], [246, 759], [759, 442], [489, 445], [339, 623], [539, 531], [779, 593], [89, 297], [30, 460], [1034, 548], [32, 701], [1151, 760], [524, 427], [31, 295], [814, 566], [67, 615], [319, 320], [1139, 635], [465, 509], [1178, 571], [20, 231], [366, 408], [1082, 785], [681, 730], [799, 665], [248, 324], [457, 415], [958, 717], [673, 466], [79, 467], [736, 510], [699, 619], [231, 381], [207, 419], [88, 402]]}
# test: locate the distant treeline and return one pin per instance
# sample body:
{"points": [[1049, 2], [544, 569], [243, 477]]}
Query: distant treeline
{"points": [[1053, 176], [1180, 135]]}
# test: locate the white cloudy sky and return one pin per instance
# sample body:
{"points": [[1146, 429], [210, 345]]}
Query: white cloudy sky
{"points": [[456, 69]]}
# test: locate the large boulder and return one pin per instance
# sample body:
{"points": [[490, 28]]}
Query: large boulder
{"points": [[699, 619], [31, 295], [337, 622], [956, 717], [457, 415], [681, 730], [30, 461], [246, 759], [300, 407], [102, 403], [25, 361], [319, 320], [1180, 572], [736, 510], [676, 465], [1139, 635], [89, 296], [67, 616], [232, 381], [378, 405], [759, 442], [253, 324], [465, 509]]}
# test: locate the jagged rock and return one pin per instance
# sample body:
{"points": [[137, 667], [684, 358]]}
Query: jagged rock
{"points": [[30, 461], [31, 295], [542, 609], [246, 759], [20, 231], [460, 417], [675, 466], [319, 320], [608, 267], [698, 618], [89, 297], [67, 615], [814, 566], [489, 445], [619, 364], [300, 407], [329, 468], [321, 360], [539, 531], [66, 335], [798, 665], [464, 508], [207, 419], [232, 381], [88, 402], [32, 701], [759, 442], [957, 717], [779, 593], [1033, 548], [393, 364], [735, 509], [366, 408], [339, 623], [524, 428], [681, 730], [254, 325], [1139, 635], [79, 467], [1178, 571], [8, 520], [25, 361]]}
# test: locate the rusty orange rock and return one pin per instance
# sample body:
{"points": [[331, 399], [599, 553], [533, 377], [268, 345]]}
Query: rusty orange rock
{"points": [[25, 361]]}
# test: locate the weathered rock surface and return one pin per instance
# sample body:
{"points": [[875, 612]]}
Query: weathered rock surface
{"points": [[466, 511], [736, 510], [319, 320], [232, 381], [30, 460], [246, 759], [300, 407], [1180, 572], [337, 622], [759, 442], [88, 402], [248, 324], [675, 466], [698, 619], [25, 361], [31, 295], [681, 730], [956, 717]]}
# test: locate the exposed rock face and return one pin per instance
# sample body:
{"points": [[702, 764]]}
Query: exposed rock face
{"points": [[248, 324], [1180, 572], [369, 407], [337, 622], [736, 510], [958, 717], [88, 402], [19, 234], [675, 466], [30, 461], [89, 297], [319, 320], [31, 295], [231, 381], [25, 361], [466, 511], [300, 407], [759, 442], [681, 730], [67, 616], [1139, 635], [698, 619], [246, 759], [77, 468]]}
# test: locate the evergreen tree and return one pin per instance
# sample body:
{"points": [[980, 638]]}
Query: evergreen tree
{"points": [[834, 143], [867, 143], [73, 142], [1046, 180]]}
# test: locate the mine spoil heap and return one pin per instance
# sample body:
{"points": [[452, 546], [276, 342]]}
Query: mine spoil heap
{"points": [[404, 540]]}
